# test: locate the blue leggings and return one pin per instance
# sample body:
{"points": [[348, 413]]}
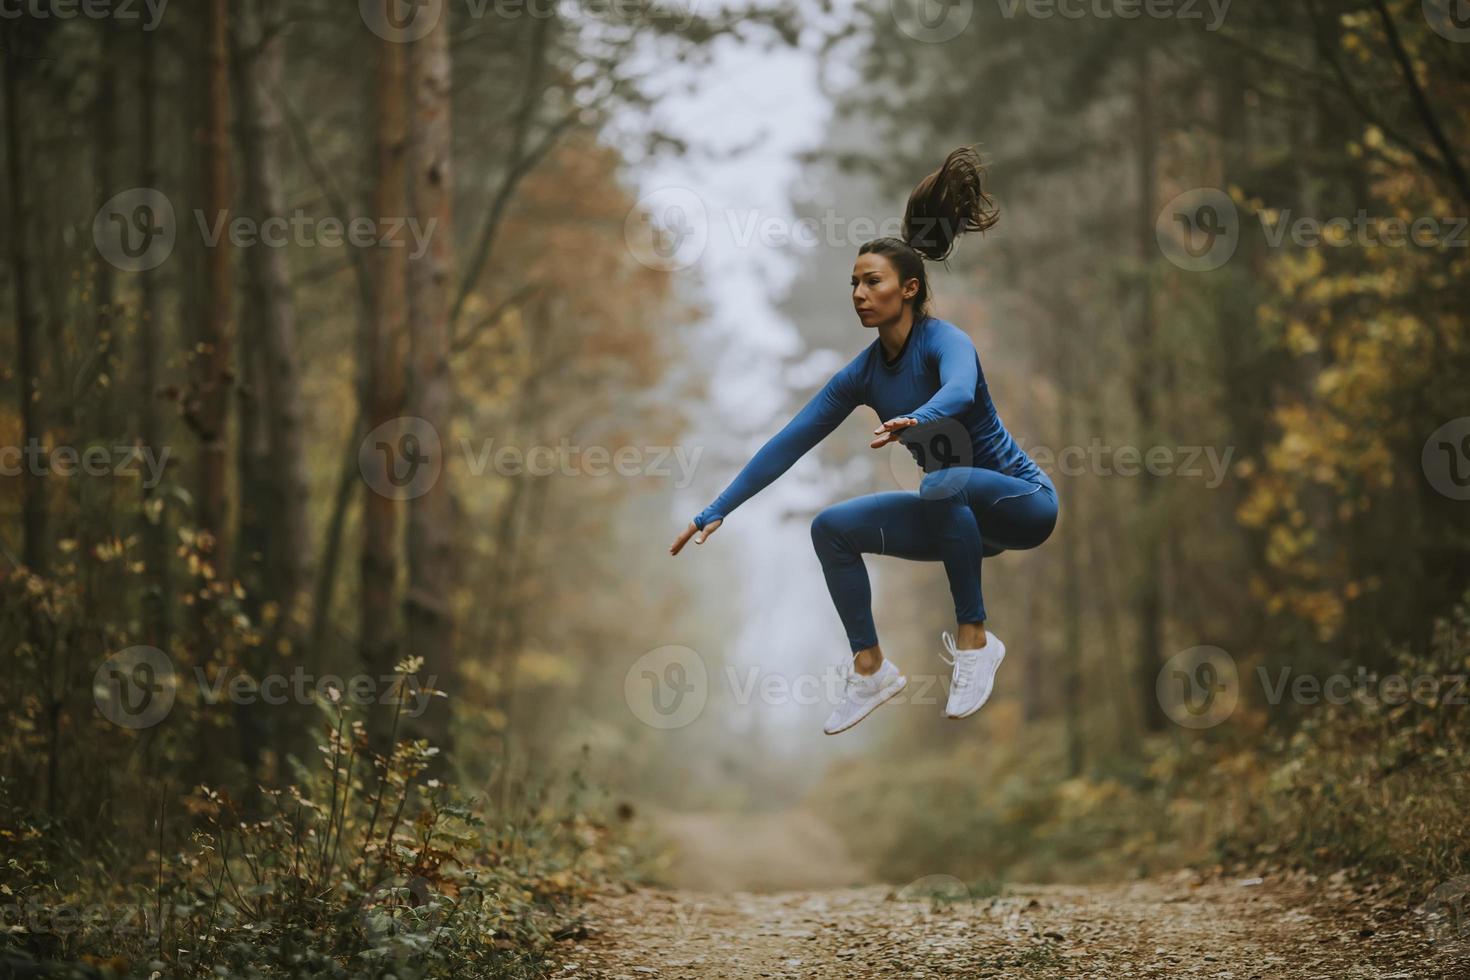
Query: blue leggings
{"points": [[958, 516]]}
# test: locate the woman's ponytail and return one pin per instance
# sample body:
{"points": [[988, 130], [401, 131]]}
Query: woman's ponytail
{"points": [[948, 203]]}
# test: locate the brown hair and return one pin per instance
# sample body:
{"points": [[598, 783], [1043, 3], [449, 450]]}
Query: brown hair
{"points": [[943, 206]]}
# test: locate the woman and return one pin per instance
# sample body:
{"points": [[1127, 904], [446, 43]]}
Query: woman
{"points": [[980, 495]]}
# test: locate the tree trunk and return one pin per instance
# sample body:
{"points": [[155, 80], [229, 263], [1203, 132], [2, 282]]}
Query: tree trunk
{"points": [[428, 612], [273, 322], [33, 521], [1071, 527], [382, 389], [104, 146], [155, 524], [215, 376], [1148, 602]]}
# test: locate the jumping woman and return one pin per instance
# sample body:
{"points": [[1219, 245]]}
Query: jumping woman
{"points": [[981, 494]]}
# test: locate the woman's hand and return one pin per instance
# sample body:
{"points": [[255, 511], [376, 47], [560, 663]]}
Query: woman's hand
{"points": [[683, 539], [890, 431]]}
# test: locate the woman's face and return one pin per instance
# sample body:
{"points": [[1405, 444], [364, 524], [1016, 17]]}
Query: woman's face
{"points": [[877, 295]]}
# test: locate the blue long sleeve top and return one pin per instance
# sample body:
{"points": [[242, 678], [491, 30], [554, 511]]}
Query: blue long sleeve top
{"points": [[936, 379]]}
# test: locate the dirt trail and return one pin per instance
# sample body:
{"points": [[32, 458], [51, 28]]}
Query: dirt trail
{"points": [[1179, 926]]}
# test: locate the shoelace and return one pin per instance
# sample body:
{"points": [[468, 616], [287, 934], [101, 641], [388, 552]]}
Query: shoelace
{"points": [[964, 666], [851, 678]]}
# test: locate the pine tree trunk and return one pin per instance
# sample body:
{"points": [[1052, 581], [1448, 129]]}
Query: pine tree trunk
{"points": [[33, 520], [215, 373], [428, 612], [382, 389], [1148, 600], [273, 321]]}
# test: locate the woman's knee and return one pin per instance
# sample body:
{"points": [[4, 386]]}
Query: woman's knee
{"points": [[944, 486], [827, 529]]}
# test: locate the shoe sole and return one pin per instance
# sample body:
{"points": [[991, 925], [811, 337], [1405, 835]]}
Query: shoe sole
{"points": [[902, 683], [984, 701]]}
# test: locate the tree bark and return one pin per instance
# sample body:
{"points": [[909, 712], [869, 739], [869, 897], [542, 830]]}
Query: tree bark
{"points": [[215, 376], [1148, 600], [382, 389], [428, 613], [33, 520], [104, 147], [273, 322], [155, 523]]}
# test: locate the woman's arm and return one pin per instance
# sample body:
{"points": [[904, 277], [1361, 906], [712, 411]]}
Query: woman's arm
{"points": [[959, 375], [823, 413]]}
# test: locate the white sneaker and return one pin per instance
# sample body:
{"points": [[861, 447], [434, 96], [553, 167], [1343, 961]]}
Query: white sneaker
{"points": [[860, 695], [974, 674]]}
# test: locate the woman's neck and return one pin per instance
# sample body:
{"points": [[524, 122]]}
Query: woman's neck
{"points": [[893, 335]]}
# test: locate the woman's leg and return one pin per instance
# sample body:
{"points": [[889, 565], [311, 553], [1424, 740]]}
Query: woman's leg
{"points": [[972, 513], [913, 526], [842, 534]]}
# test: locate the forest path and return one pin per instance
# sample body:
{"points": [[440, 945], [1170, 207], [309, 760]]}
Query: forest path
{"points": [[731, 916]]}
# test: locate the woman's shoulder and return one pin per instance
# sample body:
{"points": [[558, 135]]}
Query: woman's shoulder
{"points": [[942, 330]]}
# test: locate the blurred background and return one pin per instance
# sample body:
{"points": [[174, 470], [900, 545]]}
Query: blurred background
{"points": [[358, 354]]}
